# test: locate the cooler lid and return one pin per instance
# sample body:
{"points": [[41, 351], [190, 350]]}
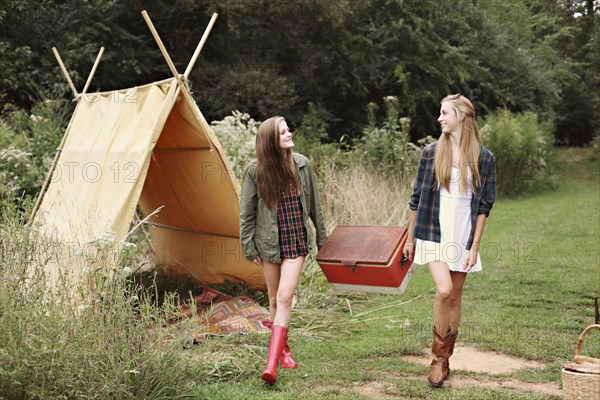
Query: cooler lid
{"points": [[361, 244]]}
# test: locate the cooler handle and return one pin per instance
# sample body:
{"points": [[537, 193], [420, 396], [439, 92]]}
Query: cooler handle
{"points": [[350, 264]]}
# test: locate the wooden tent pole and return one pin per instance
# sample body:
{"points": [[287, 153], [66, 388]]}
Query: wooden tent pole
{"points": [[51, 170], [162, 48], [65, 73], [186, 74], [38, 201], [89, 80]]}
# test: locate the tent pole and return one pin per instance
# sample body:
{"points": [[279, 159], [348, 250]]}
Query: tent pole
{"points": [[182, 83], [65, 73], [186, 74], [50, 171], [38, 201], [162, 48], [89, 80]]}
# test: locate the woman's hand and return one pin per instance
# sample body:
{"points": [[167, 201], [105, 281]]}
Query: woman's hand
{"points": [[409, 249], [471, 258], [257, 261]]}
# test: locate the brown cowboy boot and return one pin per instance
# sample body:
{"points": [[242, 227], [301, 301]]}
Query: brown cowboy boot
{"points": [[441, 349], [452, 339]]}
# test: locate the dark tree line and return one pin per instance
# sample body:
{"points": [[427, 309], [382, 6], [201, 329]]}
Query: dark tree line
{"points": [[266, 57]]}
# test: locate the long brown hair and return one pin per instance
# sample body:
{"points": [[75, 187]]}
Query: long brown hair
{"points": [[469, 147], [275, 168]]}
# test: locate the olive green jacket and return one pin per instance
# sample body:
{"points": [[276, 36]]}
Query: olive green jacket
{"points": [[259, 234]]}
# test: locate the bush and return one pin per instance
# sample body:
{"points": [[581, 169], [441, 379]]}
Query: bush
{"points": [[310, 139], [388, 148], [594, 154], [28, 142], [523, 148], [237, 135]]}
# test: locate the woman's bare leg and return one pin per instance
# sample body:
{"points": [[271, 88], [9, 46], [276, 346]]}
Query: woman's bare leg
{"points": [[443, 289], [290, 273], [272, 273]]}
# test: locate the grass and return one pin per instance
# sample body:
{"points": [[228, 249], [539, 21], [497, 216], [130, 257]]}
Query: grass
{"points": [[541, 273], [534, 298]]}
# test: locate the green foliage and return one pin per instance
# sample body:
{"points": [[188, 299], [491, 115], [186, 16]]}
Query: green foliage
{"points": [[28, 142], [594, 153], [310, 139], [387, 148], [237, 135], [268, 58], [523, 148]]}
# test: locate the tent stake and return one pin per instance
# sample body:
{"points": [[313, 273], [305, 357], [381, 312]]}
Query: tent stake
{"points": [[89, 80], [65, 73], [186, 74]]}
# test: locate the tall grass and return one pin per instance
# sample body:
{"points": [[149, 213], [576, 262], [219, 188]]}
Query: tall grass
{"points": [[117, 346], [359, 195]]}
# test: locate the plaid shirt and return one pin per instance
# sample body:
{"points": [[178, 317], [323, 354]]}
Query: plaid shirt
{"points": [[292, 233], [426, 199]]}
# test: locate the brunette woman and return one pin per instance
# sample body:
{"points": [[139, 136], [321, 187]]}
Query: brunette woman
{"points": [[279, 196], [453, 194]]}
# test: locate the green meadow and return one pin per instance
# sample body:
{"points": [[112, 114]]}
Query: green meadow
{"points": [[533, 299]]}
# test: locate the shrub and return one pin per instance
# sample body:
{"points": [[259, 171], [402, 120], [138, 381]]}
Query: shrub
{"points": [[523, 148], [388, 148], [594, 154], [310, 139], [28, 142], [237, 135]]}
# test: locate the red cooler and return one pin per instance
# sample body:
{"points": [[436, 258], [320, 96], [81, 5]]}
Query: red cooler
{"points": [[366, 259]]}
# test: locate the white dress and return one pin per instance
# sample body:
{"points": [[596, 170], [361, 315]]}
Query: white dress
{"points": [[455, 226]]}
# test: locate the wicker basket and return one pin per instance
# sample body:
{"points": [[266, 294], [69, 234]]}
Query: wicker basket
{"points": [[581, 378]]}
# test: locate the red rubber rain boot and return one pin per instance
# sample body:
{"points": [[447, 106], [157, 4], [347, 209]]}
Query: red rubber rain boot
{"points": [[278, 337]]}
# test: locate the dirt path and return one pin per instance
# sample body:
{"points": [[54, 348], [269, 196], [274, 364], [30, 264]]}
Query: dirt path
{"points": [[468, 358], [471, 359]]}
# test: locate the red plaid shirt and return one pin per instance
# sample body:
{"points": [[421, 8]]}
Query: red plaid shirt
{"points": [[292, 233]]}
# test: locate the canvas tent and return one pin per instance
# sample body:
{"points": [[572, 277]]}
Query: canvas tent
{"points": [[148, 147]]}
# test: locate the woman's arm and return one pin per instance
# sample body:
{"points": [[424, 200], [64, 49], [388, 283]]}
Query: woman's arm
{"points": [[316, 214], [472, 258], [248, 204], [409, 247], [413, 203]]}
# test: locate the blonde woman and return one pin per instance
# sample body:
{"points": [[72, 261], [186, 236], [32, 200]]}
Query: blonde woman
{"points": [[279, 196], [453, 194]]}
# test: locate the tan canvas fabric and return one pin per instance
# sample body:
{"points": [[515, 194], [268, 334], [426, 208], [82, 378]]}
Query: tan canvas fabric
{"points": [[148, 145]]}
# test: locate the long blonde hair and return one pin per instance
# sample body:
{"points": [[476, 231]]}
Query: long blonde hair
{"points": [[275, 168], [469, 147]]}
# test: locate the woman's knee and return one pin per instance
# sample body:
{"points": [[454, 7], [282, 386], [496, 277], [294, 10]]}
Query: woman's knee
{"points": [[455, 299], [273, 302], [443, 293], [284, 298]]}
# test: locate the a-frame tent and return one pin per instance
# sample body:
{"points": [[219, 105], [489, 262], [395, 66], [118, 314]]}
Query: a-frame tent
{"points": [[148, 147]]}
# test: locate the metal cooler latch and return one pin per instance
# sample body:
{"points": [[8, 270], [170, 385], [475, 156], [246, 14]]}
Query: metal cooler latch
{"points": [[403, 261], [350, 264]]}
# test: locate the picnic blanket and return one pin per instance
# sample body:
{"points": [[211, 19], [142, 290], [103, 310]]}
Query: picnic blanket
{"points": [[220, 314]]}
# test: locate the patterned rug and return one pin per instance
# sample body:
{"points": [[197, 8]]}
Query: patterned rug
{"points": [[220, 314]]}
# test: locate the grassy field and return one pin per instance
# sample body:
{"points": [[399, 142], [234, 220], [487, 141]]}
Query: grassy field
{"points": [[535, 296]]}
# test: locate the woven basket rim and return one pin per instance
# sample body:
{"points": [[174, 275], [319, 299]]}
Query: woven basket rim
{"points": [[571, 372]]}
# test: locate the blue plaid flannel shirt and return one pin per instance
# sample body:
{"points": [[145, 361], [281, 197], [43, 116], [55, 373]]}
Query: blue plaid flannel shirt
{"points": [[426, 199]]}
